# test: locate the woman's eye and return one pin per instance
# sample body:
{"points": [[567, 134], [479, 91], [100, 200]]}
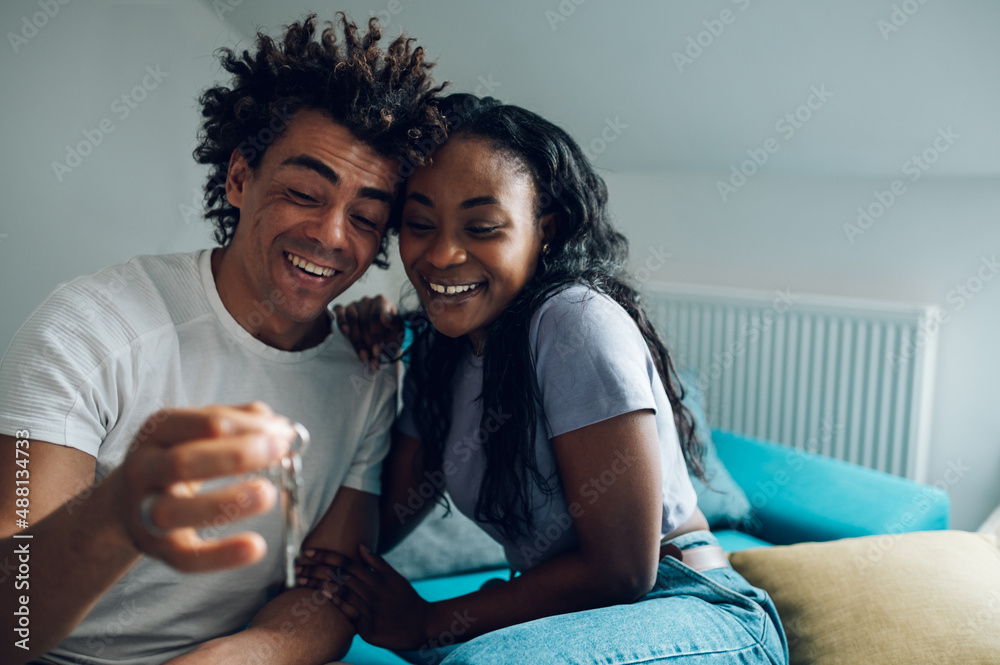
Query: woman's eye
{"points": [[482, 230], [300, 195], [417, 226]]}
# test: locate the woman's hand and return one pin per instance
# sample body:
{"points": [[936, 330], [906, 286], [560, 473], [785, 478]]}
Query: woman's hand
{"points": [[373, 325], [384, 608]]}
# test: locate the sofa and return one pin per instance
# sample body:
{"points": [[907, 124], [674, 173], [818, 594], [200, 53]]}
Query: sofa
{"points": [[761, 495]]}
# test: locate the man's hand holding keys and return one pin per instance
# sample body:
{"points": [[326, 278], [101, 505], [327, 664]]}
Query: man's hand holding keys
{"points": [[157, 484]]}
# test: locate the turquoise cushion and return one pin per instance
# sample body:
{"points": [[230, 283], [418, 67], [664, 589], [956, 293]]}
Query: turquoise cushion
{"points": [[737, 541], [362, 653], [724, 503], [799, 496]]}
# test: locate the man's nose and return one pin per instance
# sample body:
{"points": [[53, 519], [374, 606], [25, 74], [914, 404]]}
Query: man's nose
{"points": [[330, 230], [445, 251]]}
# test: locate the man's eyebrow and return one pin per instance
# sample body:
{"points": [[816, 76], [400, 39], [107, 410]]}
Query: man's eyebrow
{"points": [[375, 193], [478, 201], [313, 164]]}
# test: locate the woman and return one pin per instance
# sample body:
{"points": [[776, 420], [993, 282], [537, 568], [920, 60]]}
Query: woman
{"points": [[546, 402]]}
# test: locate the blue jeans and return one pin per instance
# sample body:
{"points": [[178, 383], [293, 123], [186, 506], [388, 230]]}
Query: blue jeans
{"points": [[714, 617]]}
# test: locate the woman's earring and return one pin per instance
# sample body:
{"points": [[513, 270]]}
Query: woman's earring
{"points": [[545, 249]]}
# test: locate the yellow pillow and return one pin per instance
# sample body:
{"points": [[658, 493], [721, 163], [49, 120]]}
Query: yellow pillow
{"points": [[928, 597]]}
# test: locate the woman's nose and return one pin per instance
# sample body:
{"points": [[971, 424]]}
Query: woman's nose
{"points": [[445, 251]]}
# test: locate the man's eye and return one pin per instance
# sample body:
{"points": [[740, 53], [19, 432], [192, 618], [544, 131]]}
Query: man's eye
{"points": [[300, 195], [366, 221]]}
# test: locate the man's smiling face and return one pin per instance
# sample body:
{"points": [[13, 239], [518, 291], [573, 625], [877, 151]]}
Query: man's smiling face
{"points": [[312, 217]]}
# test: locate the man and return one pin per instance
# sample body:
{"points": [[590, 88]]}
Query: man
{"points": [[131, 556]]}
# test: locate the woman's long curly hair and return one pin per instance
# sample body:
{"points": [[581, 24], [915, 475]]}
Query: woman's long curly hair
{"points": [[585, 249], [385, 98]]}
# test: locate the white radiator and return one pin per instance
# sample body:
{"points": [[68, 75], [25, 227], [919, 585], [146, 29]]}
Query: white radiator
{"points": [[849, 379]]}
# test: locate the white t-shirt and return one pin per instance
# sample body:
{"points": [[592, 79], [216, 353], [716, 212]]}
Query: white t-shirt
{"points": [[104, 352]]}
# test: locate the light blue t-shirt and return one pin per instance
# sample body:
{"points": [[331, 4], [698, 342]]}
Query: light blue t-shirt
{"points": [[591, 363]]}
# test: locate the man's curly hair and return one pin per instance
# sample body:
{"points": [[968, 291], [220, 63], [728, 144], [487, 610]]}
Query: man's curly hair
{"points": [[384, 98]]}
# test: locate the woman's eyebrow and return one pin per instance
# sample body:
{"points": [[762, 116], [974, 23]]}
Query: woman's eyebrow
{"points": [[420, 198], [464, 205], [478, 201]]}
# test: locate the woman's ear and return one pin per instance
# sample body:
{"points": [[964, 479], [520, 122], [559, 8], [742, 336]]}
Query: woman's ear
{"points": [[548, 225]]}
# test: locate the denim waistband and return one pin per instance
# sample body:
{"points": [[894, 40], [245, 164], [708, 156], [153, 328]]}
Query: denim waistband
{"points": [[694, 539]]}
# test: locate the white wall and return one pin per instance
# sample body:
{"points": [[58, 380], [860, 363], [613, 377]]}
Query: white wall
{"points": [[778, 230], [123, 197], [782, 232], [129, 195]]}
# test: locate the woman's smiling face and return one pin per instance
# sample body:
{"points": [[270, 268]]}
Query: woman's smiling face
{"points": [[470, 240]]}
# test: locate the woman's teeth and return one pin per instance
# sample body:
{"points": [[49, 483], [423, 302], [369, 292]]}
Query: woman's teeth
{"points": [[309, 267], [451, 290]]}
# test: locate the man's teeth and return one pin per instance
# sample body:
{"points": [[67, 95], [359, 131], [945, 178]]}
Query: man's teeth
{"points": [[310, 267], [450, 290]]}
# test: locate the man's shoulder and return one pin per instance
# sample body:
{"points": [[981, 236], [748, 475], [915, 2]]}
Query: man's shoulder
{"points": [[347, 374], [120, 303], [145, 287]]}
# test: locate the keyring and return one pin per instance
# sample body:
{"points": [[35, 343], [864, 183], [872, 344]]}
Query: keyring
{"points": [[292, 487], [146, 518]]}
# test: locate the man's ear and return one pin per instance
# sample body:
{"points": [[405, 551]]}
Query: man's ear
{"points": [[239, 172]]}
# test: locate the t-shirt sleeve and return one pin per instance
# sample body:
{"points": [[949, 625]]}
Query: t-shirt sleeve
{"points": [[591, 361], [57, 378], [365, 473]]}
